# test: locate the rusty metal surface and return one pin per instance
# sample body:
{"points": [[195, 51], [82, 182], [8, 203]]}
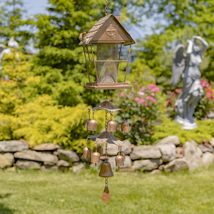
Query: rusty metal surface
{"points": [[106, 105], [112, 126], [91, 125], [107, 136], [105, 169], [107, 30]]}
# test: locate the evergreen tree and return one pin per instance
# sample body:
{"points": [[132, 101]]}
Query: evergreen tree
{"points": [[177, 21], [12, 23], [61, 57]]}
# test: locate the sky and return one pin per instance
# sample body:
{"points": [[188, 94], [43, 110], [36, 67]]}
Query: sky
{"points": [[33, 7]]}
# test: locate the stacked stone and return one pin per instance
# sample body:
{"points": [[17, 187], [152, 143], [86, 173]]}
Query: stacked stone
{"points": [[167, 155], [45, 156]]}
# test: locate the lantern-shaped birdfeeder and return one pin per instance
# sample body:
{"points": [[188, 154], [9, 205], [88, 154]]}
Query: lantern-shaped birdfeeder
{"points": [[107, 50]]}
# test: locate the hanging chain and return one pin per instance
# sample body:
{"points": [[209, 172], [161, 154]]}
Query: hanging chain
{"points": [[92, 114], [107, 7], [89, 113], [106, 127], [106, 182], [106, 120]]}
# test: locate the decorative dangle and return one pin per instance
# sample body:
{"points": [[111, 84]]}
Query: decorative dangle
{"points": [[106, 195]]}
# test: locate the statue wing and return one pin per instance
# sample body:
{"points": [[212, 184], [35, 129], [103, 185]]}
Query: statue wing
{"points": [[178, 64]]}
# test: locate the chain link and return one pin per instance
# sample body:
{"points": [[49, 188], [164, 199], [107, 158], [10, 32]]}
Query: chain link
{"points": [[106, 182], [107, 7]]}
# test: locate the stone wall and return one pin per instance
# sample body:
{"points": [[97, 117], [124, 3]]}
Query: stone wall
{"points": [[167, 155], [17, 154]]}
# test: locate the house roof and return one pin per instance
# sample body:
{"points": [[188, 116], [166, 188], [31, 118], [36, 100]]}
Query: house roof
{"points": [[107, 30]]}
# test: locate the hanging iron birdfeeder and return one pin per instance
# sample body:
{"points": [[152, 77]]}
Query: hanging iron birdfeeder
{"points": [[106, 54]]}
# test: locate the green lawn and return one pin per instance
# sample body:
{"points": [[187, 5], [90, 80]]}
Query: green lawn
{"points": [[27, 192]]}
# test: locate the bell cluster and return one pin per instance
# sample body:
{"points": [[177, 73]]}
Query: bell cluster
{"points": [[111, 126], [100, 156]]}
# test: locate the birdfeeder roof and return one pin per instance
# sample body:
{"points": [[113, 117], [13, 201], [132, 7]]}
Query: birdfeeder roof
{"points": [[108, 30]]}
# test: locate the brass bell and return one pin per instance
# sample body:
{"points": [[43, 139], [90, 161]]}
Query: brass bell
{"points": [[119, 160], [125, 127], [95, 157], [112, 126], [105, 169], [91, 125], [86, 154]]}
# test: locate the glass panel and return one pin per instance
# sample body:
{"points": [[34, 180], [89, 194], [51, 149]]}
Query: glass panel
{"points": [[107, 63]]}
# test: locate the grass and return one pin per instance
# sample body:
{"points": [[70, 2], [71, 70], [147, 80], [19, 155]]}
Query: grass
{"points": [[33, 192]]}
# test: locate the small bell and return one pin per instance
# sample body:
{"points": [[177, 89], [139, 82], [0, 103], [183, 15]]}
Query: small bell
{"points": [[125, 127], [86, 154], [119, 160], [112, 126], [105, 169], [91, 125], [95, 158]]}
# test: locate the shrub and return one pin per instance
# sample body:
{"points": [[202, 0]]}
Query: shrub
{"points": [[41, 121], [204, 131], [6, 127], [140, 110]]}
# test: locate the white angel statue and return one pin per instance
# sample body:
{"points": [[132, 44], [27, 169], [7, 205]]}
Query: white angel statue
{"points": [[186, 65]]}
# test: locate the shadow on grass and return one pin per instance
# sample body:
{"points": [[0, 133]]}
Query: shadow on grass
{"points": [[3, 208]]}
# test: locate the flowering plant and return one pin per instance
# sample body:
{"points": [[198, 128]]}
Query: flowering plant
{"points": [[206, 104], [140, 110]]}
